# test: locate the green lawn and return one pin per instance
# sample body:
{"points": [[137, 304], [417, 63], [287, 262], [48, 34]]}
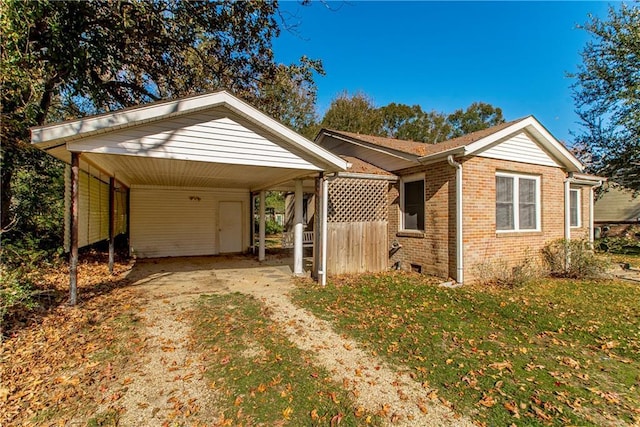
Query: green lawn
{"points": [[555, 352]]}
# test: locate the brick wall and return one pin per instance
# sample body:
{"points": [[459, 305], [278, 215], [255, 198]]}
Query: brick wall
{"points": [[434, 250], [482, 244]]}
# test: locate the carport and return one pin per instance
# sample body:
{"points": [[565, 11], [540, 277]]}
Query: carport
{"points": [[183, 175]]}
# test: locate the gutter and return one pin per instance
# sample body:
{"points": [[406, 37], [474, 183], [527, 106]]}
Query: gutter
{"points": [[459, 214]]}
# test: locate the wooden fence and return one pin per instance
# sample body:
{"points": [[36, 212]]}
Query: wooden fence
{"points": [[357, 247]]}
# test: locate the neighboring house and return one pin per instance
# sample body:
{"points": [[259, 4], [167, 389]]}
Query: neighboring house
{"points": [[616, 209], [495, 195]]}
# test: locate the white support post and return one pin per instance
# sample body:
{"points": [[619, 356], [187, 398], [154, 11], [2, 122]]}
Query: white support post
{"points": [[262, 226], [591, 233], [567, 209], [298, 260], [323, 226]]}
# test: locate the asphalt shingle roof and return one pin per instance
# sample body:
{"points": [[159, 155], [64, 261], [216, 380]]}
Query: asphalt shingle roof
{"points": [[423, 149]]}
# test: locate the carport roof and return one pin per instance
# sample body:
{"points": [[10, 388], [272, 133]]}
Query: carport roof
{"points": [[213, 139]]}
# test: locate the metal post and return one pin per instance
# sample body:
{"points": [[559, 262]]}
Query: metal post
{"points": [[263, 227], [112, 222], [73, 222]]}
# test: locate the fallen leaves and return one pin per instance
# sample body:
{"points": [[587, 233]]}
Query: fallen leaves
{"points": [[487, 401], [490, 350], [79, 349], [502, 366]]}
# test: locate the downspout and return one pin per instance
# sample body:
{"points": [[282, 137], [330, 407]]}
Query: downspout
{"points": [[459, 233], [567, 208]]}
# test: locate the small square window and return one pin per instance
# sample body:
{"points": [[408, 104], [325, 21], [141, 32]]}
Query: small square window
{"points": [[412, 204]]}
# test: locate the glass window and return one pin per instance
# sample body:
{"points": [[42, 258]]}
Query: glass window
{"points": [[517, 202], [527, 202], [574, 207], [504, 203], [413, 205]]}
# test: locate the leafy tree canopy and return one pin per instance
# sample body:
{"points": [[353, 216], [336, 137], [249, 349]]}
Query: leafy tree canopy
{"points": [[607, 96], [358, 113], [477, 116], [68, 59]]}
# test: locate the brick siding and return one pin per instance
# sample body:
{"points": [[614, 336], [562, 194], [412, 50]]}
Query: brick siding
{"points": [[434, 250]]}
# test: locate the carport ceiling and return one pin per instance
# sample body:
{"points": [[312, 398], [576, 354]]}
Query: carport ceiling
{"points": [[132, 170]]}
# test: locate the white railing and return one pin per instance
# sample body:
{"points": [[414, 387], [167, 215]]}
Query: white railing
{"points": [[288, 239]]}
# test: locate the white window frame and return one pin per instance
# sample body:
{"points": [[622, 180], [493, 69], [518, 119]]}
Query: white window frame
{"points": [[578, 191], [516, 203], [404, 180]]}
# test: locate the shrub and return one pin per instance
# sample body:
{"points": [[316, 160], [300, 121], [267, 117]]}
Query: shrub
{"points": [[16, 292], [272, 227], [501, 273], [628, 243], [20, 271], [573, 259]]}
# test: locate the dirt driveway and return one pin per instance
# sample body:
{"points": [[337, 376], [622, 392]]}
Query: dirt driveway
{"points": [[171, 372]]}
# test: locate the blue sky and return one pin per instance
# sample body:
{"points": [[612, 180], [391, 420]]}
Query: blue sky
{"points": [[446, 55]]}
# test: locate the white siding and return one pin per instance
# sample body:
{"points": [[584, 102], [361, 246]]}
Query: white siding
{"points": [[520, 148], [210, 136], [168, 221], [93, 208]]}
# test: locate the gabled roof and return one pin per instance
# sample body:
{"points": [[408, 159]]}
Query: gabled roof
{"points": [[360, 166], [413, 148], [470, 144], [57, 134]]}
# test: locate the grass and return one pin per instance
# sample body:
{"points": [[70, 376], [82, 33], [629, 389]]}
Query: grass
{"points": [[632, 259], [124, 326], [108, 418], [554, 352], [260, 376]]}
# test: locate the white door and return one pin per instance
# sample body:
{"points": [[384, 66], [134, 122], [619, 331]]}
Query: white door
{"points": [[230, 227]]}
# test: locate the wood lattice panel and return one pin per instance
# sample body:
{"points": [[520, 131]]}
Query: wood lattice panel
{"points": [[357, 200]]}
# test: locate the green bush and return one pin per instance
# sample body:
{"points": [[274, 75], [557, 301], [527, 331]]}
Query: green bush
{"points": [[16, 292], [629, 243], [573, 259], [20, 269], [272, 227]]}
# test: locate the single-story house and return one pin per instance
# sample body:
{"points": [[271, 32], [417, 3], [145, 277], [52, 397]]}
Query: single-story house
{"points": [[498, 194], [182, 174], [181, 177]]}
